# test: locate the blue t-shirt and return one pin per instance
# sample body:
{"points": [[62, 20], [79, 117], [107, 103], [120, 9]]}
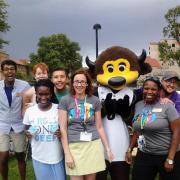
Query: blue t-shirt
{"points": [[8, 91]]}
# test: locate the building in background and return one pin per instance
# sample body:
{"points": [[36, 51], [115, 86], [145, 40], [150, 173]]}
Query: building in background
{"points": [[154, 53], [158, 67]]}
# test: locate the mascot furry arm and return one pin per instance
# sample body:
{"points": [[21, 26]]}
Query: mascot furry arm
{"points": [[115, 68]]}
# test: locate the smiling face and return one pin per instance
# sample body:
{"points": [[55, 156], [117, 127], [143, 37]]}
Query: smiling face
{"points": [[43, 95], [150, 92], [169, 85], [80, 84], [59, 80], [9, 72]]}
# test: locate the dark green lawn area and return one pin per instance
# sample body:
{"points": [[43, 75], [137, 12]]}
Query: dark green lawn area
{"points": [[13, 170]]}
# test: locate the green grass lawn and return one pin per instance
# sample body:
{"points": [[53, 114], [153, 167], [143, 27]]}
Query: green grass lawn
{"points": [[13, 170], [14, 173]]}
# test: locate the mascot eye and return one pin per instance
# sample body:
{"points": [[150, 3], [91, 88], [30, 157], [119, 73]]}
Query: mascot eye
{"points": [[122, 66], [110, 68]]}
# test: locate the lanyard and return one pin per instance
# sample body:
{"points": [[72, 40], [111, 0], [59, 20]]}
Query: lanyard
{"points": [[83, 121], [146, 117]]}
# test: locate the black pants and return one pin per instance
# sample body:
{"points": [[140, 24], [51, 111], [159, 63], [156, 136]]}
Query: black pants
{"points": [[118, 171], [146, 167]]}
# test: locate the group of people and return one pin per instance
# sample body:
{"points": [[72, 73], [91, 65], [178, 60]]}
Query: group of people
{"points": [[65, 129]]}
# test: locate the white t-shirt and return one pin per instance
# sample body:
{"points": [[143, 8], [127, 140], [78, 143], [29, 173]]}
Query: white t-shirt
{"points": [[116, 129], [46, 147]]}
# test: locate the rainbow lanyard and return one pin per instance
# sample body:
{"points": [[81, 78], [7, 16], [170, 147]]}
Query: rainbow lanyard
{"points": [[145, 117], [83, 121]]}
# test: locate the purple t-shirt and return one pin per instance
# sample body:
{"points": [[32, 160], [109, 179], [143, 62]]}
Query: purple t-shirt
{"points": [[175, 97]]}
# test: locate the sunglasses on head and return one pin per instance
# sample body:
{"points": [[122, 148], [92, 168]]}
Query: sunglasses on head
{"points": [[153, 78]]}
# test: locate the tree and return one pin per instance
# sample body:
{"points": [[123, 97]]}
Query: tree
{"points": [[167, 54], [173, 19], [24, 76], [57, 51], [4, 27], [176, 57]]}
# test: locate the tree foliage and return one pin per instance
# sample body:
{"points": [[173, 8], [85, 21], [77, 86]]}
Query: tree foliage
{"points": [[24, 76], [173, 27], [167, 54], [4, 27], [57, 51]]}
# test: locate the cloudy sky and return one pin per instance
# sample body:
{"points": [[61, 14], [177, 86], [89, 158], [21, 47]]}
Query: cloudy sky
{"points": [[130, 23]]}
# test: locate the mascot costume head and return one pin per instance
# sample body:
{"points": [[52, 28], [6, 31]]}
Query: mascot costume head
{"points": [[117, 67]]}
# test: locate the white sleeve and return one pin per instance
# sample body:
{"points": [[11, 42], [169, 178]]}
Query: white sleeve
{"points": [[26, 120]]}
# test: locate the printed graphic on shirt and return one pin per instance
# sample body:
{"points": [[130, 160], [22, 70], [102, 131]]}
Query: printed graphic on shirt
{"points": [[144, 118], [43, 130], [84, 111]]}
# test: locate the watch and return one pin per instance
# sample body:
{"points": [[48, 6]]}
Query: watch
{"points": [[170, 161]]}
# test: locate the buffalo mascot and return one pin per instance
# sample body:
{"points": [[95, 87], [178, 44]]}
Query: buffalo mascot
{"points": [[114, 69]]}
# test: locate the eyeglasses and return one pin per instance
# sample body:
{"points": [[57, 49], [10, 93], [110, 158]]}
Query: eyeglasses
{"points": [[171, 81], [82, 83], [9, 69]]}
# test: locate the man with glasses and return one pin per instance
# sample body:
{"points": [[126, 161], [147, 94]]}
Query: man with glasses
{"points": [[169, 86], [11, 126]]}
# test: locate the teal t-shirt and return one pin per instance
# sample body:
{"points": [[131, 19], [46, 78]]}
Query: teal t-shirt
{"points": [[59, 95]]}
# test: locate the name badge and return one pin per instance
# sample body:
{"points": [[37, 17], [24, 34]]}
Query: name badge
{"points": [[157, 110], [141, 142], [85, 136]]}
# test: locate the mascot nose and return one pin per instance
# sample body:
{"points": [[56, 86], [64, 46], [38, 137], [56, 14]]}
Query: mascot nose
{"points": [[117, 81]]}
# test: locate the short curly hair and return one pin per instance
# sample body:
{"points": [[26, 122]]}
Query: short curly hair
{"points": [[42, 66], [49, 84], [8, 62]]}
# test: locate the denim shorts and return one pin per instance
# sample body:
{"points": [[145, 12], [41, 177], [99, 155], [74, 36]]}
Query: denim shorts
{"points": [[45, 171]]}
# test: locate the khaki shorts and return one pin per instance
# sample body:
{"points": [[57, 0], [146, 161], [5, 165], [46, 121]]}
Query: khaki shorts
{"points": [[18, 142], [88, 158]]}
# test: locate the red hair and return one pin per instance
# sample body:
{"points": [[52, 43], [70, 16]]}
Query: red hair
{"points": [[42, 66]]}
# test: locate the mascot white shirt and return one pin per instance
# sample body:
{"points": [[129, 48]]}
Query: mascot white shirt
{"points": [[116, 129]]}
